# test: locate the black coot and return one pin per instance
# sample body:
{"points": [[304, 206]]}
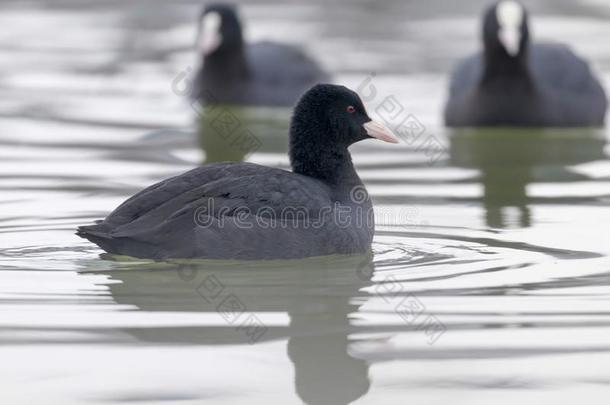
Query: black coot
{"points": [[233, 72], [247, 211], [515, 83]]}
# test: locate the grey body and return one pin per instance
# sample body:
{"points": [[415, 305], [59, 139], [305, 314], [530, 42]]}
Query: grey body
{"points": [[209, 212]]}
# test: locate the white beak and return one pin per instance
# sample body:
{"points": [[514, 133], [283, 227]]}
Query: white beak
{"points": [[510, 38], [380, 131], [209, 34]]}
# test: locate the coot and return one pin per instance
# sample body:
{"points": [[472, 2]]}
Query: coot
{"points": [[233, 72], [247, 211], [515, 83]]}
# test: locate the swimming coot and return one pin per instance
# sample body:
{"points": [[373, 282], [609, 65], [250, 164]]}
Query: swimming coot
{"points": [[247, 211], [515, 83], [233, 72]]}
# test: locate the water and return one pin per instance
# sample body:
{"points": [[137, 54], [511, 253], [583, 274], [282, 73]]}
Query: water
{"points": [[490, 278]]}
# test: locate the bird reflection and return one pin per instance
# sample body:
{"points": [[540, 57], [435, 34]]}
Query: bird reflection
{"points": [[318, 294], [511, 159], [229, 133]]}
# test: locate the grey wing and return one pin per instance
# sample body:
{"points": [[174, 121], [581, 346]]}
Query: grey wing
{"points": [[165, 191], [282, 73], [557, 66], [245, 185], [466, 76], [464, 81], [193, 214], [568, 82], [280, 62]]}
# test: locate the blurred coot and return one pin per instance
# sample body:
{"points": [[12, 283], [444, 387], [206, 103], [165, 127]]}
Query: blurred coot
{"points": [[233, 72], [247, 211], [516, 83]]}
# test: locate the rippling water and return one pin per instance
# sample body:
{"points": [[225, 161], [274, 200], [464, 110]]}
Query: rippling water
{"points": [[490, 276]]}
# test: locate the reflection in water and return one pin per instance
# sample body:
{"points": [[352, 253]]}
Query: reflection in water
{"points": [[522, 307], [230, 133], [325, 373], [509, 160], [318, 295]]}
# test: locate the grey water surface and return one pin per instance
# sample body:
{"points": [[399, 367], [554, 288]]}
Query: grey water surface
{"points": [[489, 280]]}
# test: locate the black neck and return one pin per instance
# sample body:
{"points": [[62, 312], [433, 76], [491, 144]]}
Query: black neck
{"points": [[225, 63], [498, 64], [331, 165]]}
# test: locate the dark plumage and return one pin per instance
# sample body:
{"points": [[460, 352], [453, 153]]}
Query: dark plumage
{"points": [[247, 211], [515, 83], [234, 72]]}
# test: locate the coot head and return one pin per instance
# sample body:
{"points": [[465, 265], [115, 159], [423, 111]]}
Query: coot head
{"points": [[333, 115], [219, 30], [326, 121], [505, 30]]}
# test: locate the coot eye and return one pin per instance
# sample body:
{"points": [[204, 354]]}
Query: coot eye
{"points": [[351, 109]]}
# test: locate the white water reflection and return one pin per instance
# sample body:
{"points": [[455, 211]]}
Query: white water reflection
{"points": [[507, 250]]}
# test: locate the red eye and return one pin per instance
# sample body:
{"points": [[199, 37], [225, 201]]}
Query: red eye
{"points": [[351, 109]]}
